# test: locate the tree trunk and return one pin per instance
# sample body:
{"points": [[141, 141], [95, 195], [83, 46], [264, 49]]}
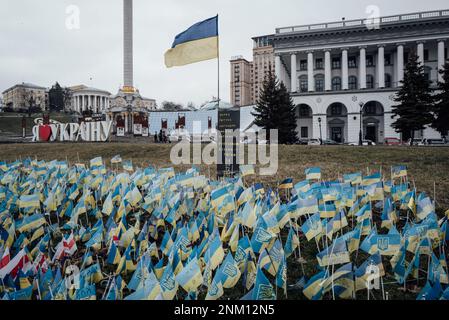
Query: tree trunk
{"points": [[412, 138]]}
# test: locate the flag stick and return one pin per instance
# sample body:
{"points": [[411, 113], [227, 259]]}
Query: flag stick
{"points": [[218, 65], [38, 289], [435, 192]]}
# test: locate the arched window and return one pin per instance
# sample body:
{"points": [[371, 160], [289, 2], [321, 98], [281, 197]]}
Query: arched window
{"points": [[369, 82], [305, 111], [352, 83], [303, 84], [319, 83], [387, 81], [336, 84]]}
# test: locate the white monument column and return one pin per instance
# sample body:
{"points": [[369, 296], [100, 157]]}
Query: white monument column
{"points": [[310, 79], [95, 104], [440, 59], [420, 50], [400, 63], [128, 43], [344, 69], [381, 66], [294, 77], [362, 68], [83, 103], [277, 67], [327, 71]]}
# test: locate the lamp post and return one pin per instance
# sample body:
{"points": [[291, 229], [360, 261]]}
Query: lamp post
{"points": [[361, 123], [321, 134]]}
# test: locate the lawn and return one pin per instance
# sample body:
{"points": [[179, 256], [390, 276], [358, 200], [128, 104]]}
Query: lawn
{"points": [[428, 168]]}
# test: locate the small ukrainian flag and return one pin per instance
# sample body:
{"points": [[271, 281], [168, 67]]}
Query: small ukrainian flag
{"points": [[313, 173], [198, 43], [286, 184], [398, 172]]}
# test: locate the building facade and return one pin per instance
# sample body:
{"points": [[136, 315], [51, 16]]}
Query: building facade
{"points": [[24, 96], [89, 99], [241, 81], [340, 70], [263, 61], [247, 77]]}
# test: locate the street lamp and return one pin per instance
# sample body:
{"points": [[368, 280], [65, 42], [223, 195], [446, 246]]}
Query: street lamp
{"points": [[361, 104], [321, 134]]}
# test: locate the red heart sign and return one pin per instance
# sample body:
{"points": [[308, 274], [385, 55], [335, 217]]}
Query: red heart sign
{"points": [[44, 133]]}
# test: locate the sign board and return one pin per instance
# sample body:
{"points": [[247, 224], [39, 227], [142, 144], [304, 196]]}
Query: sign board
{"points": [[227, 151], [137, 129], [145, 132], [98, 131], [120, 131]]}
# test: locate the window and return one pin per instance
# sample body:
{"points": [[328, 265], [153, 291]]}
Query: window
{"points": [[370, 109], [426, 55], [387, 81], [336, 63], [319, 83], [319, 64], [369, 82], [336, 109], [369, 61], [352, 62], [388, 59], [352, 83], [303, 65], [427, 73], [336, 84], [304, 111], [303, 84], [304, 132]]}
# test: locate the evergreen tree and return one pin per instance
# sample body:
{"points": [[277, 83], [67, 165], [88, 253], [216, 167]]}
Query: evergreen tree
{"points": [[275, 110], [415, 100], [441, 107]]}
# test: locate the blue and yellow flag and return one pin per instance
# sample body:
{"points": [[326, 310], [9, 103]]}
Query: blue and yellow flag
{"points": [[198, 43]]}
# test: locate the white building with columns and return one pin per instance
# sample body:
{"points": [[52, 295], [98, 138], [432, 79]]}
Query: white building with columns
{"points": [[334, 69], [86, 98]]}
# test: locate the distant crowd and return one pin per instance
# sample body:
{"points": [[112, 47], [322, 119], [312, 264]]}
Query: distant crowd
{"points": [[161, 137]]}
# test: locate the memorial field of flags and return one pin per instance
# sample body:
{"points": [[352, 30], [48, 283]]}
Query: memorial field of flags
{"points": [[152, 233]]}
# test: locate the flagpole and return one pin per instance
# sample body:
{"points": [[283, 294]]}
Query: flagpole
{"points": [[218, 65]]}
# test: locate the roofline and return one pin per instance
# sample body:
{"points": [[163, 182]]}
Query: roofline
{"points": [[25, 85], [357, 23]]}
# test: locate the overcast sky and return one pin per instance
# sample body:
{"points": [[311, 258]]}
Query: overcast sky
{"points": [[37, 47]]}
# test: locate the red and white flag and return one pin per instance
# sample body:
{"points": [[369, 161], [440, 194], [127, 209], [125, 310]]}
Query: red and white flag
{"points": [[20, 261], [5, 258], [66, 248], [69, 246]]}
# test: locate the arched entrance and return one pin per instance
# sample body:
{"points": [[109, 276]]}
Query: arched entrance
{"points": [[337, 122], [373, 122], [304, 121]]}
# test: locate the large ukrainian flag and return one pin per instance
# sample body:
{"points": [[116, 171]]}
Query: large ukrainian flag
{"points": [[198, 43]]}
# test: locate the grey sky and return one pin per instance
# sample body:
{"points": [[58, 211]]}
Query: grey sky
{"points": [[36, 46]]}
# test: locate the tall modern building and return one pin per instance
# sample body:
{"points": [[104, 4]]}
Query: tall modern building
{"points": [[241, 81], [334, 70], [247, 77]]}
